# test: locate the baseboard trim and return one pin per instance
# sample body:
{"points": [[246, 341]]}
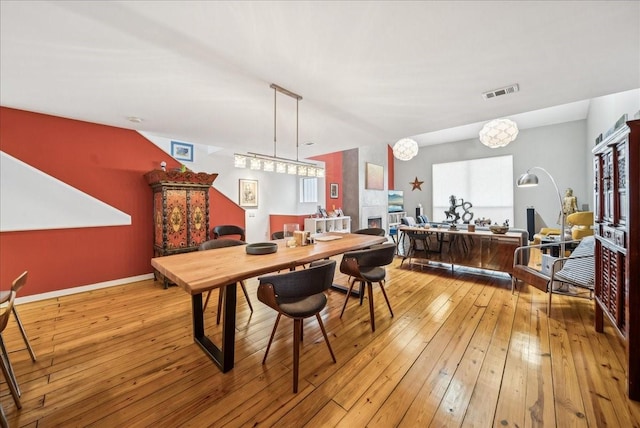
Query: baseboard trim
{"points": [[82, 289]]}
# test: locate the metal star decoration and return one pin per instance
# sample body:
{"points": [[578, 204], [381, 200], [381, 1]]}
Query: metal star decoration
{"points": [[416, 184]]}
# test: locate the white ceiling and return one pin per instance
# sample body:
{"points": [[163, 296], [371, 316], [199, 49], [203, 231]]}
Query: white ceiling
{"points": [[369, 72]]}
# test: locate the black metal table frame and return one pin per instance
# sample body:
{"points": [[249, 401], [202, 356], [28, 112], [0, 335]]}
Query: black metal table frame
{"points": [[222, 356]]}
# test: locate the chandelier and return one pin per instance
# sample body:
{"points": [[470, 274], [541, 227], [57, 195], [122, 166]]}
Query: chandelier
{"points": [[405, 149], [498, 133], [274, 163]]}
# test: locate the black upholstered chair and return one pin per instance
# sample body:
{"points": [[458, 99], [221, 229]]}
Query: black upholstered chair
{"points": [[214, 244], [277, 235], [298, 295], [368, 266], [228, 230], [374, 231]]}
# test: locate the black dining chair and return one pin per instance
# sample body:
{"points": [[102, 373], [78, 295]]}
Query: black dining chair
{"points": [[368, 266], [228, 230], [298, 295], [277, 235], [214, 244]]}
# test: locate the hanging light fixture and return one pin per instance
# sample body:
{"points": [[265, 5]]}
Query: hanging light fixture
{"points": [[405, 149], [274, 163], [498, 133]]}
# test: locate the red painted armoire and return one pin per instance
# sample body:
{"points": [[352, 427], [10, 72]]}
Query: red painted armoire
{"points": [[180, 210]]}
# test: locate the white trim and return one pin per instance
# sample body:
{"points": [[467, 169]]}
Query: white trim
{"points": [[82, 289]]}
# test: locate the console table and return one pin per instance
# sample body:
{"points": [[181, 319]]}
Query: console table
{"points": [[481, 249]]}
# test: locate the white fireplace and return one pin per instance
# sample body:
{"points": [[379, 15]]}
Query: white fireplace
{"points": [[373, 215]]}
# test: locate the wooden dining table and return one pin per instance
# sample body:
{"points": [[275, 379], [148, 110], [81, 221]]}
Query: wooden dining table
{"points": [[200, 271]]}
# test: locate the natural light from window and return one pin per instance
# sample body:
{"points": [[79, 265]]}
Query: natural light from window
{"points": [[308, 190], [486, 183]]}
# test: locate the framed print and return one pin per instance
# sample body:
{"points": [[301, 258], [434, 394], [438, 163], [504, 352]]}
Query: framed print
{"points": [[324, 213], [333, 192], [248, 192], [182, 151], [374, 178]]}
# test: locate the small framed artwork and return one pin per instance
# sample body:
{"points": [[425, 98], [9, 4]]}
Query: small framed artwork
{"points": [[374, 177], [182, 151], [339, 212], [324, 213], [248, 193], [333, 191]]}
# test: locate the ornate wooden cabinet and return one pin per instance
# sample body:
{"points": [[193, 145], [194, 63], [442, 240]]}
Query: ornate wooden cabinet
{"points": [[180, 210], [617, 230]]}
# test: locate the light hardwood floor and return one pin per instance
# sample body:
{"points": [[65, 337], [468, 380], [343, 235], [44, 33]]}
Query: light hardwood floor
{"points": [[462, 350]]}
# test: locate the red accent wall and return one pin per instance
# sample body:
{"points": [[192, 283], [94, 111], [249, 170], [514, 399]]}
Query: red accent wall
{"points": [[333, 174], [107, 163], [277, 221], [223, 210], [391, 164]]}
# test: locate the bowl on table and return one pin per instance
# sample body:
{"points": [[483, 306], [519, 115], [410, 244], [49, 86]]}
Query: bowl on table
{"points": [[262, 248], [500, 230]]}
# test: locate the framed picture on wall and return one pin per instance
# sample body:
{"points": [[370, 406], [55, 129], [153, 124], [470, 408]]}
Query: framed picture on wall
{"points": [[248, 193], [374, 177], [182, 151], [333, 191]]}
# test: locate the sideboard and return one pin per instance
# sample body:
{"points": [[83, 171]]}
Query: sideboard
{"points": [[481, 249]]}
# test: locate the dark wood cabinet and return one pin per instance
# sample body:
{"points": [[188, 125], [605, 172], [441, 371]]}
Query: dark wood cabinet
{"points": [[617, 230], [180, 210]]}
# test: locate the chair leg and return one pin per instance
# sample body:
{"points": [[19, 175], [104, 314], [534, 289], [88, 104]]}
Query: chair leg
{"points": [[326, 338], [221, 292], [246, 295], [273, 333], [206, 301], [24, 334], [346, 299], [4, 423], [297, 326], [7, 371], [384, 293], [371, 312]]}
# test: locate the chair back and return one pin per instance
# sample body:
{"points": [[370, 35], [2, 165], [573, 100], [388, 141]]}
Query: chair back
{"points": [[214, 244], [317, 278], [4, 316], [376, 256], [375, 231], [423, 219], [579, 267], [228, 229], [408, 221], [20, 281], [278, 235]]}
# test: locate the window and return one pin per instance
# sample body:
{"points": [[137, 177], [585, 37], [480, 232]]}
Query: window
{"points": [[308, 190], [486, 183]]}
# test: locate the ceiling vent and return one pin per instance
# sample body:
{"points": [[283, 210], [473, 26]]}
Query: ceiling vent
{"points": [[502, 91]]}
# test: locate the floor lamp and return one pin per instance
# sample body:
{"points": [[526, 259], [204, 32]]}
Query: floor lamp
{"points": [[529, 179]]}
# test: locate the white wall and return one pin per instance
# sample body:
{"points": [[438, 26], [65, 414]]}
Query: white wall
{"points": [[277, 193], [557, 148], [603, 114]]}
